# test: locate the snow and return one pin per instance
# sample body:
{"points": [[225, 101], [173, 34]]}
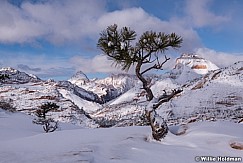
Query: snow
{"points": [[187, 74], [87, 106], [16, 76], [110, 44], [123, 45], [22, 141], [10, 69], [164, 84], [129, 96], [80, 78], [218, 96]]}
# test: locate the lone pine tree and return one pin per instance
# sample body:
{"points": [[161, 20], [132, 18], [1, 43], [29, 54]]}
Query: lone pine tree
{"points": [[145, 55]]}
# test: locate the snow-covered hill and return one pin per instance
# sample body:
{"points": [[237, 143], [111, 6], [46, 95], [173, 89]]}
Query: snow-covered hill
{"points": [[218, 95], [80, 78], [23, 141]]}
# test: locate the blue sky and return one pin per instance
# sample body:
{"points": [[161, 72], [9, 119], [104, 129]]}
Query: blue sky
{"points": [[56, 38]]}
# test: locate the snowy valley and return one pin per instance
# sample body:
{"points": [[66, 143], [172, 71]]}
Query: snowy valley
{"points": [[206, 119]]}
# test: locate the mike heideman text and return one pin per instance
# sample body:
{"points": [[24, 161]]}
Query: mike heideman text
{"points": [[218, 159]]}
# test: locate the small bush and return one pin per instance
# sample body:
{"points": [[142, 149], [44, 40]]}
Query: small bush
{"points": [[49, 125]]}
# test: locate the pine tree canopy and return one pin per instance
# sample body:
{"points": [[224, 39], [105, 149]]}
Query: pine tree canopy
{"points": [[118, 45]]}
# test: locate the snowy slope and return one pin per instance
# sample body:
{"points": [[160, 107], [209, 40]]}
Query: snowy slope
{"points": [[87, 106], [218, 91], [126, 145]]}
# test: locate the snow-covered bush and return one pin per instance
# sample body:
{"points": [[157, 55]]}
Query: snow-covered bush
{"points": [[49, 125], [7, 105]]}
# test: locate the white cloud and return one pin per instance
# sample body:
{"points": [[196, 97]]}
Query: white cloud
{"points": [[139, 20], [15, 27], [99, 63], [56, 21], [221, 59], [200, 15], [64, 21], [39, 65]]}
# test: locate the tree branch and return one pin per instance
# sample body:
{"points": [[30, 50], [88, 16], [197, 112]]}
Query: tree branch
{"points": [[149, 92], [156, 66], [150, 68], [166, 98]]}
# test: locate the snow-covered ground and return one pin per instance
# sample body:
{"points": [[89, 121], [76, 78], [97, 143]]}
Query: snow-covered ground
{"points": [[21, 141]]}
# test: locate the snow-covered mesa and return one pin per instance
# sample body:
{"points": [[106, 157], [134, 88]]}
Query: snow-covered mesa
{"points": [[196, 63]]}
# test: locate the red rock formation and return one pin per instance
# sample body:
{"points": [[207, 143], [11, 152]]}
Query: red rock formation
{"points": [[199, 67]]}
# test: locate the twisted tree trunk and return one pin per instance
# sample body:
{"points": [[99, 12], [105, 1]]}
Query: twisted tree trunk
{"points": [[157, 123], [149, 92]]}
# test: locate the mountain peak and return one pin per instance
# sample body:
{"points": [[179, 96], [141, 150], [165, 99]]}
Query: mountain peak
{"points": [[80, 75], [79, 78]]}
